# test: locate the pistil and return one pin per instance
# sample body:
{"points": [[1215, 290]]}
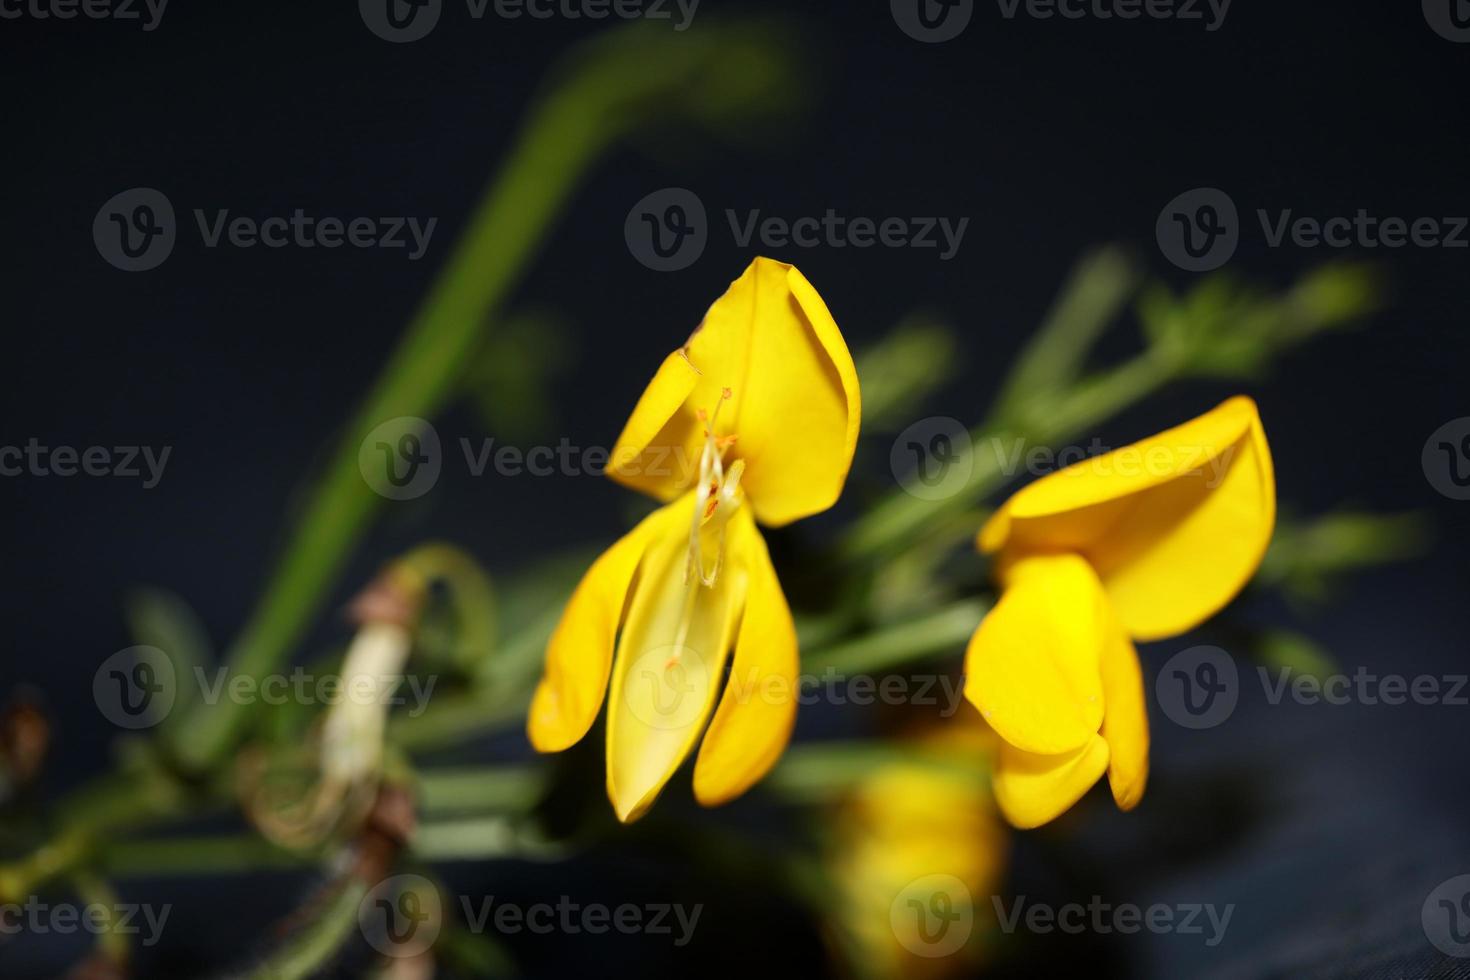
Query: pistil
{"points": [[717, 497]]}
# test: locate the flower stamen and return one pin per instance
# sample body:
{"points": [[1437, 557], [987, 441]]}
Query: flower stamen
{"points": [[717, 489]]}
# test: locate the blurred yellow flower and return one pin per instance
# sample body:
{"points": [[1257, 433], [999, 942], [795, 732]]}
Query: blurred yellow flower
{"points": [[755, 418], [1143, 543], [917, 851]]}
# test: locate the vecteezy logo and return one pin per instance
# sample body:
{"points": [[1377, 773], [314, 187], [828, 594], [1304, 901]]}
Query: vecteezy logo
{"points": [[135, 688], [1446, 459], [933, 915], [1450, 19], [401, 916], [1198, 687], [401, 458], [667, 230], [1446, 916], [134, 231], [941, 907], [667, 688], [932, 21], [933, 458], [400, 21], [1198, 230], [1456, 453]]}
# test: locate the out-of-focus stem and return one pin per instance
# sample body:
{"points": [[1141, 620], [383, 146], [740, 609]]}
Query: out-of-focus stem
{"points": [[483, 788], [902, 516], [116, 805], [1054, 355], [225, 854], [112, 941], [500, 237], [939, 632], [310, 949]]}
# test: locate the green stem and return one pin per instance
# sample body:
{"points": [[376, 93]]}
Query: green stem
{"points": [[123, 802], [451, 719], [485, 788], [305, 953], [500, 237], [502, 694], [1054, 355], [465, 838], [944, 631], [451, 791], [112, 942], [228, 854], [475, 839], [902, 516]]}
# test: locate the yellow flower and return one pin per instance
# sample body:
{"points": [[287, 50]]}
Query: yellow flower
{"points": [[915, 835], [755, 418], [1141, 543]]}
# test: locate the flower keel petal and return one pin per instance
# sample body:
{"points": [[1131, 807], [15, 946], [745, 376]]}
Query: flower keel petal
{"points": [[670, 657], [1125, 719], [758, 709], [1032, 667], [1033, 789]]}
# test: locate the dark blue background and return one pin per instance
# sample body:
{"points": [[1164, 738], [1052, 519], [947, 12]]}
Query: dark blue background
{"points": [[1327, 826]]}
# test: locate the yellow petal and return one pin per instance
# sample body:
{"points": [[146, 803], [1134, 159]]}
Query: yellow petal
{"points": [[795, 406], [995, 531], [1191, 545], [1033, 666], [1174, 524], [670, 657], [758, 709], [1125, 719], [1034, 789], [1136, 467], [658, 451], [798, 412], [579, 654]]}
